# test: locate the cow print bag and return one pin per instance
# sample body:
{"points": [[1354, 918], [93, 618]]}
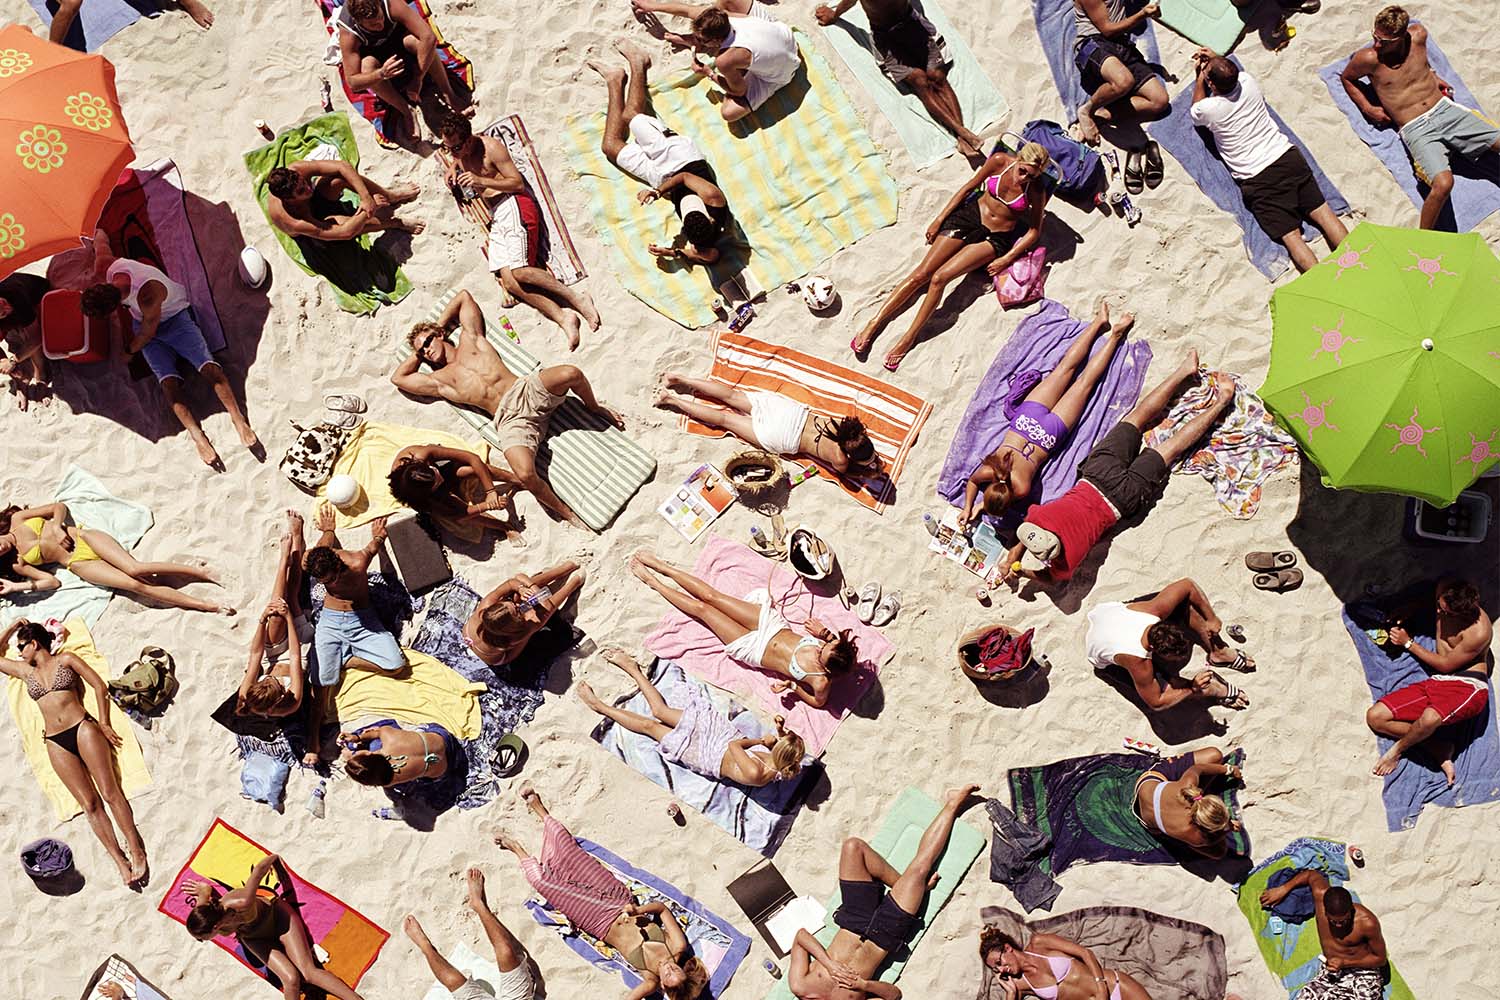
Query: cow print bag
{"points": [[308, 463]]}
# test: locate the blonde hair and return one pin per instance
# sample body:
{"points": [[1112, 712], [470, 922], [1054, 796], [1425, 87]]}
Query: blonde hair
{"points": [[1034, 154], [1208, 812], [787, 753], [1393, 20], [695, 983], [502, 623]]}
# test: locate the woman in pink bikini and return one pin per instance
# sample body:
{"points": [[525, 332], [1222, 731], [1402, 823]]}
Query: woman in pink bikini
{"points": [[1053, 968], [1042, 421], [993, 221]]}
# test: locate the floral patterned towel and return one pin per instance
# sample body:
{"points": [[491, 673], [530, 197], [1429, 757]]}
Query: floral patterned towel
{"points": [[1243, 450]]}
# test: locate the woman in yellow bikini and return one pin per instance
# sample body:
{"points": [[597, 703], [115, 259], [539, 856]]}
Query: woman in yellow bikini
{"points": [[34, 537]]}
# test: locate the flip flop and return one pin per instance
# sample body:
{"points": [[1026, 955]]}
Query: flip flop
{"points": [[869, 597], [344, 402], [891, 367], [1155, 168], [1233, 697], [1280, 581], [858, 353], [1241, 662], [1134, 172], [887, 609], [1270, 562]]}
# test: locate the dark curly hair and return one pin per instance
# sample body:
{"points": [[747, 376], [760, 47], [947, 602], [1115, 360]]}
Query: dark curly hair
{"points": [[844, 655], [992, 938], [1169, 644], [101, 299], [203, 921], [322, 563], [453, 125], [282, 182], [415, 483], [1462, 599]]}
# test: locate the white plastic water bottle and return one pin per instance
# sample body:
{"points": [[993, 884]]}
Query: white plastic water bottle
{"points": [[931, 524], [757, 536], [315, 800], [385, 813]]}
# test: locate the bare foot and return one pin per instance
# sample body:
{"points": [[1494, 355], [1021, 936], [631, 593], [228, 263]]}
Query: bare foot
{"points": [[1224, 394], [1088, 132], [623, 660], [1189, 366], [127, 873], [1449, 772], [1441, 752], [958, 796], [664, 400], [506, 842], [1123, 327], [571, 325], [207, 454], [1101, 313], [638, 57], [587, 310], [675, 382], [968, 146], [198, 12], [293, 522], [140, 870], [588, 697], [247, 436], [641, 571], [612, 415], [475, 879], [610, 73], [860, 345], [933, 880], [413, 226], [1387, 762], [414, 931], [404, 193]]}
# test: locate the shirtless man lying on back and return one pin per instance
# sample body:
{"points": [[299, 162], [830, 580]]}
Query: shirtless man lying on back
{"points": [[470, 373], [1419, 103]]}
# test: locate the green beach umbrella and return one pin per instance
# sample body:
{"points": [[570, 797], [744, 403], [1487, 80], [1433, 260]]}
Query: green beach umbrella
{"points": [[1385, 362]]}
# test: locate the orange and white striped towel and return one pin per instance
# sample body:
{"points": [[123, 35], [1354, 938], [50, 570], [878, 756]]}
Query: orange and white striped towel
{"points": [[893, 417]]}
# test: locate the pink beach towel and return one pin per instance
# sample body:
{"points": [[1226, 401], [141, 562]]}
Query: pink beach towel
{"points": [[737, 570]]}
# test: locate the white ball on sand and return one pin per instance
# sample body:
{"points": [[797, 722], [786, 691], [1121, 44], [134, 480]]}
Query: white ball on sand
{"points": [[253, 268], [341, 491], [818, 293]]}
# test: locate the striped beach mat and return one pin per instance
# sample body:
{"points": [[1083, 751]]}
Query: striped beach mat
{"points": [[588, 462], [557, 243], [892, 417], [802, 177]]}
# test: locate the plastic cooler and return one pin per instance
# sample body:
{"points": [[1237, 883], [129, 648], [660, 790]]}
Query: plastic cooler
{"points": [[69, 335]]}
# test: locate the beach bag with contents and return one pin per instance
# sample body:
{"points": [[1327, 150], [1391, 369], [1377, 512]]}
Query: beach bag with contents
{"points": [[148, 683], [308, 463], [1079, 169], [996, 653], [1024, 281]]}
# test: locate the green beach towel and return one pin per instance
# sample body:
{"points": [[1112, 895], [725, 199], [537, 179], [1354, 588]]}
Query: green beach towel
{"points": [[588, 462], [363, 278], [897, 843], [1292, 953], [926, 140], [802, 178], [1214, 23]]}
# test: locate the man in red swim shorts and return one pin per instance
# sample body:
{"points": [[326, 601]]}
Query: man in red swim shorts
{"points": [[1457, 690]]}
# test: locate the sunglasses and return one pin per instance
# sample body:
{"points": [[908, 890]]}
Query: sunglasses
{"points": [[1384, 41], [427, 342]]}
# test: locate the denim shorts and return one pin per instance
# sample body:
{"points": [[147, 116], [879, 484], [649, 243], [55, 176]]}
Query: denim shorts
{"points": [[344, 634], [177, 336]]}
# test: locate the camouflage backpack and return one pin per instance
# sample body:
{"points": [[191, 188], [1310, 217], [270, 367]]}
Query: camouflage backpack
{"points": [[148, 683]]}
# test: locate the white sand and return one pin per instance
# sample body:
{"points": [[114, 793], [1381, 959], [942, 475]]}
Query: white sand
{"points": [[193, 96]]}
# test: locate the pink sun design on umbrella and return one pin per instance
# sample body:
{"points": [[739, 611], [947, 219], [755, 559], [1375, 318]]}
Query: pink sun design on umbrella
{"points": [[1315, 415], [1429, 266], [1480, 451], [1333, 340], [1351, 259], [1412, 434]]}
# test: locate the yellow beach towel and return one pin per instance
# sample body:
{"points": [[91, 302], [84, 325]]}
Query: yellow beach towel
{"points": [[130, 765], [431, 692], [368, 457]]}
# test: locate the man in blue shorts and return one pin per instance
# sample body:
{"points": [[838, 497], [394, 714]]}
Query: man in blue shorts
{"points": [[1419, 103], [163, 331]]}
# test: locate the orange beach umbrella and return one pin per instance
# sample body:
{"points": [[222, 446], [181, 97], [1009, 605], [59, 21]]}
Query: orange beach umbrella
{"points": [[63, 143]]}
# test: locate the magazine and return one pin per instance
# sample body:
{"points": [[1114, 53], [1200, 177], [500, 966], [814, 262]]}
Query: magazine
{"points": [[979, 552], [698, 502]]}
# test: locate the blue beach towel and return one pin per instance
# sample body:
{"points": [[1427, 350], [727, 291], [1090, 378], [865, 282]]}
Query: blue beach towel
{"points": [[98, 20], [1474, 198], [89, 503], [760, 818], [1415, 782], [1193, 148], [1054, 26]]}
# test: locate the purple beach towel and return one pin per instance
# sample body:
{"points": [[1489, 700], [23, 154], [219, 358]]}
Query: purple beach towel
{"points": [[1038, 344], [98, 20], [1476, 185]]}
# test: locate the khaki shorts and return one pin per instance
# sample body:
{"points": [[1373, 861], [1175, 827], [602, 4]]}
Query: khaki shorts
{"points": [[522, 413], [513, 985]]}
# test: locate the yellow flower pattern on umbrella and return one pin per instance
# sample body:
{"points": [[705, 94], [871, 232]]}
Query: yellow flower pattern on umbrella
{"points": [[12, 235], [13, 62], [41, 149], [90, 112]]}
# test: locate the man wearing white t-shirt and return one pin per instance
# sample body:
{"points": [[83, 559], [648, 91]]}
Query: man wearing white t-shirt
{"points": [[1277, 184], [164, 332]]}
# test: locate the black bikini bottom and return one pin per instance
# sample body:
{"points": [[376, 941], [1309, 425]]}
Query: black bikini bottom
{"points": [[68, 738]]}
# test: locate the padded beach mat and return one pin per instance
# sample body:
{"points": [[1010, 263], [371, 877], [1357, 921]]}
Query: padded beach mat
{"points": [[801, 174], [1214, 23], [759, 818], [372, 108], [896, 841], [225, 856], [714, 940], [1292, 950], [927, 141], [586, 460], [1084, 804], [1476, 185], [363, 278], [118, 972]]}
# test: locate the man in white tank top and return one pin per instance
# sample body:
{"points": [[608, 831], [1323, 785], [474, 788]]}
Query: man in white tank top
{"points": [[753, 55], [1141, 639], [164, 332]]}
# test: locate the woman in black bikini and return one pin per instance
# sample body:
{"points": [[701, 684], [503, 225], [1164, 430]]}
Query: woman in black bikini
{"points": [[994, 219], [79, 748], [270, 928]]}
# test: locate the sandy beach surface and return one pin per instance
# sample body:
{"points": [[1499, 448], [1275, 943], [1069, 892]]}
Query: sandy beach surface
{"points": [[192, 96]]}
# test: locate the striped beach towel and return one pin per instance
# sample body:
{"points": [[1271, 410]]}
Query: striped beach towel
{"points": [[893, 417], [372, 108], [588, 462], [557, 243], [801, 175]]}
